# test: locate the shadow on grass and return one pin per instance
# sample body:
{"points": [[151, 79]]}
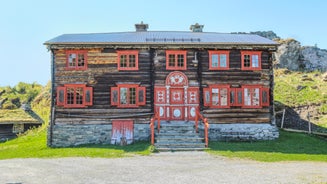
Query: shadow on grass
{"points": [[288, 143]]}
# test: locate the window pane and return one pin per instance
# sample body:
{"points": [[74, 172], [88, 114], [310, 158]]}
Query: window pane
{"points": [[255, 61], [223, 97], [180, 60], [223, 60], [70, 95], [79, 95], [132, 61], [71, 60], [247, 97], [132, 96], [214, 60], [246, 60], [171, 61], [215, 98], [255, 96], [81, 61], [123, 95], [123, 61]]}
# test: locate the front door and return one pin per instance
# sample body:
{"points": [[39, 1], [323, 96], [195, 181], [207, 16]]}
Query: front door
{"points": [[177, 103], [176, 100]]}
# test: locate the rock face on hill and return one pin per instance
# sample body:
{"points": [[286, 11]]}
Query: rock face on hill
{"points": [[293, 56]]}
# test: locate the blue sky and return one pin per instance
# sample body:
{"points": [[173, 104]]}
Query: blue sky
{"points": [[26, 25]]}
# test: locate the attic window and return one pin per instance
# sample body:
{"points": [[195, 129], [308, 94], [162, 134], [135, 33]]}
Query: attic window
{"points": [[251, 60], [176, 60], [76, 60], [128, 60]]}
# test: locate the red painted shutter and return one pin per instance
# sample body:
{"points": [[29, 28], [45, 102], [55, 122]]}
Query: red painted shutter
{"points": [[88, 96], [114, 96], [141, 95], [206, 97], [232, 94], [61, 96], [265, 97], [239, 97]]}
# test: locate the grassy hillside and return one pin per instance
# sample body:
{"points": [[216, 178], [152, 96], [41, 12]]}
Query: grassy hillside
{"points": [[296, 89]]}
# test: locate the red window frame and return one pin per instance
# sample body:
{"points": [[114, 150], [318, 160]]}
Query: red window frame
{"points": [[62, 96], [176, 53], [251, 54], [209, 103], [76, 62], [140, 96], [128, 54], [251, 87], [219, 53]]}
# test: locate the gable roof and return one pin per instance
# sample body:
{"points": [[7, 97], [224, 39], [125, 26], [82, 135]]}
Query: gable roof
{"points": [[161, 37], [16, 116]]}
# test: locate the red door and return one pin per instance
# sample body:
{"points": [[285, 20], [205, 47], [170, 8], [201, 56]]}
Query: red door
{"points": [[177, 104]]}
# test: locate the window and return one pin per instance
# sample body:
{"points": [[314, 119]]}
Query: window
{"points": [[251, 60], [218, 60], [74, 95], [128, 95], [249, 96], [176, 60], [217, 96], [128, 60], [76, 59], [18, 128]]}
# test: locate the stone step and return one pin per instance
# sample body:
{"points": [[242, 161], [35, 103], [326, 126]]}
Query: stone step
{"points": [[180, 149], [179, 145], [179, 140]]}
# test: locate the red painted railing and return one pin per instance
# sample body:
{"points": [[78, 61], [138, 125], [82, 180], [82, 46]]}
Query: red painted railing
{"points": [[198, 117], [152, 124]]}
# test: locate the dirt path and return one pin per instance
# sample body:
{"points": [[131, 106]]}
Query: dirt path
{"points": [[181, 167]]}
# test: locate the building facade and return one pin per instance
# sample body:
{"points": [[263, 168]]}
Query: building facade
{"points": [[106, 86]]}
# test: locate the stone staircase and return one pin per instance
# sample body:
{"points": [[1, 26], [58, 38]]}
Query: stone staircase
{"points": [[178, 136]]}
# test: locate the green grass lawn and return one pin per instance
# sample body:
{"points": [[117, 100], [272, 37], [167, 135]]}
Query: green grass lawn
{"points": [[289, 147], [33, 145]]}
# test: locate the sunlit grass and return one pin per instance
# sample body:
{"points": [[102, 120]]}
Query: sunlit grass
{"points": [[33, 145], [289, 147]]}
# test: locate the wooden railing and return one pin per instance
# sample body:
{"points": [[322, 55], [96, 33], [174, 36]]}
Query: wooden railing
{"points": [[198, 117], [152, 124]]}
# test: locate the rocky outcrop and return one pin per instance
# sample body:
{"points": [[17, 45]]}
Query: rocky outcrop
{"points": [[288, 54], [314, 58], [293, 56]]}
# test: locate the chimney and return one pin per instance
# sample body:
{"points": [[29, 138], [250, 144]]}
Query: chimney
{"points": [[196, 27], [141, 27]]}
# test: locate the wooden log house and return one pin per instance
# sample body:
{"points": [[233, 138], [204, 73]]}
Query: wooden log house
{"points": [[107, 86]]}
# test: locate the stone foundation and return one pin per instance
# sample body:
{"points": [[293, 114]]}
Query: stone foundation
{"points": [[241, 132], [73, 135]]}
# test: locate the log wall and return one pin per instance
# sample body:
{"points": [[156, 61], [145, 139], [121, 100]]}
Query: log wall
{"points": [[102, 74]]}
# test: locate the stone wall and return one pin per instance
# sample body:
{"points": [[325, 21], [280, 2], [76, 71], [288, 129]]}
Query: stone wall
{"points": [[241, 132], [73, 135]]}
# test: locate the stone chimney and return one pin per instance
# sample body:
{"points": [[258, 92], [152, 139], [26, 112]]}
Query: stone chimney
{"points": [[196, 27], [141, 27]]}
